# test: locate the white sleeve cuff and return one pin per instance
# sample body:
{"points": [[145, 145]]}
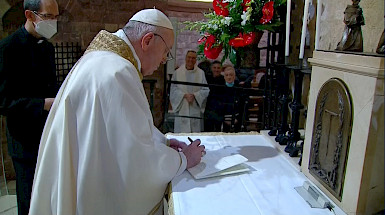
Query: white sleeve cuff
{"points": [[183, 164]]}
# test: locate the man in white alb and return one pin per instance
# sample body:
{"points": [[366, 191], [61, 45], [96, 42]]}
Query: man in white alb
{"points": [[100, 152], [188, 102]]}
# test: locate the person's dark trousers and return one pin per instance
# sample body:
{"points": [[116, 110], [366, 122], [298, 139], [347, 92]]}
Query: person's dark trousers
{"points": [[212, 120], [25, 170], [24, 159], [212, 126]]}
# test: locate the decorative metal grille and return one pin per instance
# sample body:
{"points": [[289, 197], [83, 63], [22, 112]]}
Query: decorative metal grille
{"points": [[66, 55]]}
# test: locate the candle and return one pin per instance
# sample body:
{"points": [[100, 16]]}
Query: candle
{"points": [[317, 37], [304, 27], [287, 42]]}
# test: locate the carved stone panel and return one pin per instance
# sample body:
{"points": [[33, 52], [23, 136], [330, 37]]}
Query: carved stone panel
{"points": [[331, 136]]}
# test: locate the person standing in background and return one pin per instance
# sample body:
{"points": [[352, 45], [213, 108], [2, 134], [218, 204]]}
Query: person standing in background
{"points": [[213, 113], [27, 90], [216, 77], [188, 102]]}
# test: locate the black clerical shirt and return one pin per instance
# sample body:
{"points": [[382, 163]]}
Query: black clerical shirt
{"points": [[27, 77]]}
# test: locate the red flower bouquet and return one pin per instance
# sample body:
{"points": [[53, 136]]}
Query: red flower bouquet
{"points": [[234, 24]]}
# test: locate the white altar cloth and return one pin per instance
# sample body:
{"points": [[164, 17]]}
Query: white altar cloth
{"points": [[268, 189]]}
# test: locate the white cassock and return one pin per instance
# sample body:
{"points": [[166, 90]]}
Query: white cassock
{"points": [[100, 152], [180, 105]]}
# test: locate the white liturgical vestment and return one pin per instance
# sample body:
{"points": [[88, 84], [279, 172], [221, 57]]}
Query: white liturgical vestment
{"points": [[100, 152], [187, 114]]}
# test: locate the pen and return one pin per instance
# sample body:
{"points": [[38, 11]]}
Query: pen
{"points": [[191, 140], [203, 152]]}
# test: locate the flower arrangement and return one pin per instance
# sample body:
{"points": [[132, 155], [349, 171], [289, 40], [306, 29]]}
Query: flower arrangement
{"points": [[234, 24]]}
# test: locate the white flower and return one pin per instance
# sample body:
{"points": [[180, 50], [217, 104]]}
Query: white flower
{"points": [[226, 21], [244, 18]]}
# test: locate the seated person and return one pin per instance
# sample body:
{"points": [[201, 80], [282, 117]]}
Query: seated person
{"points": [[245, 76], [213, 117], [231, 101]]}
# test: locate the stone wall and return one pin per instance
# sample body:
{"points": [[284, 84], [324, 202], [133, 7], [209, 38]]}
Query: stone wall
{"points": [[186, 11], [186, 40], [81, 20]]}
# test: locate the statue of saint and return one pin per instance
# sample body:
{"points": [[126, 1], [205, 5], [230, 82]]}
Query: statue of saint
{"points": [[352, 37]]}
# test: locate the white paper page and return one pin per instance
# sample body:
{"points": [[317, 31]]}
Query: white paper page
{"points": [[217, 161]]}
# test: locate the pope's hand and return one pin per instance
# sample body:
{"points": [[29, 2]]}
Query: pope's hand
{"points": [[177, 145], [193, 153]]}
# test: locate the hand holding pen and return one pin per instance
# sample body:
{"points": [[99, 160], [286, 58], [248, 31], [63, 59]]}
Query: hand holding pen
{"points": [[191, 141], [194, 152]]}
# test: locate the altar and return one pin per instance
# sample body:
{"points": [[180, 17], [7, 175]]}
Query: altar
{"points": [[267, 189]]}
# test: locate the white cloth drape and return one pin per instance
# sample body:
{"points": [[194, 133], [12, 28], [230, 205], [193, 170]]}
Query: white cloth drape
{"points": [[267, 189]]}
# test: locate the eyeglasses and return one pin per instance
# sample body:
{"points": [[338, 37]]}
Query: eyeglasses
{"points": [[169, 55], [45, 16]]}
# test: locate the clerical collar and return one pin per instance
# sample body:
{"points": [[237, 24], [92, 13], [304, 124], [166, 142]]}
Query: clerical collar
{"points": [[190, 70], [32, 38]]}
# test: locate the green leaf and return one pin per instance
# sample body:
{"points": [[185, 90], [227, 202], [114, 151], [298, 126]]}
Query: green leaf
{"points": [[279, 2], [225, 55], [224, 37], [233, 56]]}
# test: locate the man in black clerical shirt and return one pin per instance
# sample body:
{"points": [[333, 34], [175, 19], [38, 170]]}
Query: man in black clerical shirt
{"points": [[212, 117], [27, 90]]}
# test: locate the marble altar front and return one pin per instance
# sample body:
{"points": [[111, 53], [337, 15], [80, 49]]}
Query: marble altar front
{"points": [[363, 75]]}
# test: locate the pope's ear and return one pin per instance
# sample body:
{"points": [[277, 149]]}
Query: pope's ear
{"points": [[147, 40]]}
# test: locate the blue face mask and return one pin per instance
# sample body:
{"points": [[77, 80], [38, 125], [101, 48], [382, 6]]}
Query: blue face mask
{"points": [[230, 84]]}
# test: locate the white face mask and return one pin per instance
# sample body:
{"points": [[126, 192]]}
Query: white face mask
{"points": [[46, 28]]}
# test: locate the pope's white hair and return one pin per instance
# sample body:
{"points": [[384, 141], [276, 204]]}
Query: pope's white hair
{"points": [[136, 30]]}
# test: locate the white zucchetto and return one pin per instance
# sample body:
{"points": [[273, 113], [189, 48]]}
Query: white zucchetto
{"points": [[153, 17]]}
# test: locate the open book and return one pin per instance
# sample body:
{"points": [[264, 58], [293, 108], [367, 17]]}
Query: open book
{"points": [[219, 163]]}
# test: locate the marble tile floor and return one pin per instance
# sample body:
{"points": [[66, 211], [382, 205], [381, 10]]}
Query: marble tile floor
{"points": [[8, 205]]}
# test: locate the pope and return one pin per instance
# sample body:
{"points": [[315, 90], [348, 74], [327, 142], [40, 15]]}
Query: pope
{"points": [[100, 152]]}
